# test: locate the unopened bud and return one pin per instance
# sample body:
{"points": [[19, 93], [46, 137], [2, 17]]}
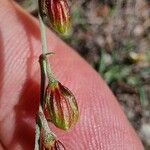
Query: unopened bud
{"points": [[58, 146], [57, 13], [61, 105], [49, 142]]}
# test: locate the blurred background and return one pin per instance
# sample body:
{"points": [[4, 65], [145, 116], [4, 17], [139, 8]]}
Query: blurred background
{"points": [[113, 36]]}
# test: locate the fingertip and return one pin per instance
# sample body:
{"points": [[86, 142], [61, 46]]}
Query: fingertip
{"points": [[102, 124]]}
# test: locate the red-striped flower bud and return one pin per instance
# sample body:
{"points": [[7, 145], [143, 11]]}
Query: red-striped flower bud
{"points": [[61, 106], [48, 141], [58, 146], [57, 13]]}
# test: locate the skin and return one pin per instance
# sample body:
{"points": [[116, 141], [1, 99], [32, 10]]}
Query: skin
{"points": [[102, 124]]}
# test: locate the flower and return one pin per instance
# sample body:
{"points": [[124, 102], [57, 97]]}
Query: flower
{"points": [[57, 13], [61, 106]]}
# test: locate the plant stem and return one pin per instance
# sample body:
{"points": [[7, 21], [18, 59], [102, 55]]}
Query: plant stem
{"points": [[51, 77], [43, 35], [44, 122], [37, 137], [44, 50], [45, 69], [43, 79]]}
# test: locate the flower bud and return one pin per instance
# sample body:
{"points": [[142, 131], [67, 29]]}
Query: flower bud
{"points": [[57, 13], [58, 146], [61, 105], [48, 141]]}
